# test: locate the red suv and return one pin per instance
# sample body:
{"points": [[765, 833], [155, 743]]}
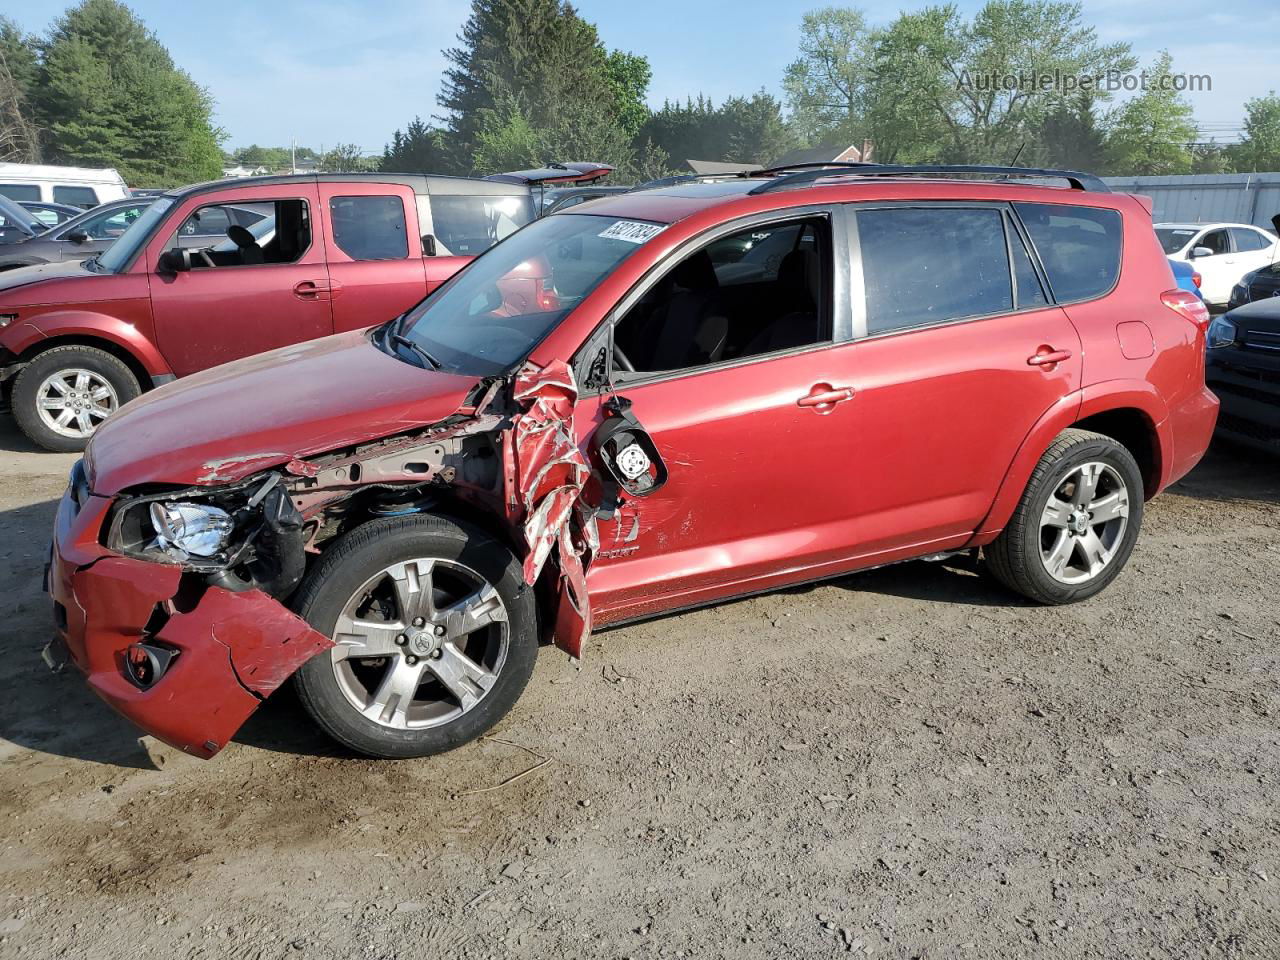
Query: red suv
{"points": [[656, 402], [299, 257]]}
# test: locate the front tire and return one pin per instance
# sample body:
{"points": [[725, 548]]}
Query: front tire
{"points": [[62, 396], [1075, 526], [435, 636]]}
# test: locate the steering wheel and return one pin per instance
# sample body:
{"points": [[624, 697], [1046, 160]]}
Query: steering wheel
{"points": [[204, 255], [623, 360]]}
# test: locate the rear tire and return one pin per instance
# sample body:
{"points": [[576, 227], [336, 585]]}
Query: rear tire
{"points": [[1075, 526], [61, 397], [435, 636]]}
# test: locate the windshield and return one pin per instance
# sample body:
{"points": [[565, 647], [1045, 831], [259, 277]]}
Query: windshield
{"points": [[117, 256], [1173, 239], [492, 313]]}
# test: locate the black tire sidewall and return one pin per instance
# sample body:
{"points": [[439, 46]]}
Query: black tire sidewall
{"points": [[1101, 450], [28, 381], [347, 565]]}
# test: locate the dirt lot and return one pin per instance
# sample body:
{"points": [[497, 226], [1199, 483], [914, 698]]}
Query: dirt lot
{"points": [[907, 763]]}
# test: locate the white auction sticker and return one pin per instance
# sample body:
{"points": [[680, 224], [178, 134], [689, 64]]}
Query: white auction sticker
{"points": [[632, 231]]}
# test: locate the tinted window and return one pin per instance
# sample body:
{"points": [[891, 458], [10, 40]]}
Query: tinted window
{"points": [[1079, 247], [1173, 239], [20, 191], [370, 228], [926, 266], [76, 196], [1030, 292], [1247, 240], [468, 226]]}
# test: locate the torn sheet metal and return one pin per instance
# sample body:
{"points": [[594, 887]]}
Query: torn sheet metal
{"points": [[550, 474]]}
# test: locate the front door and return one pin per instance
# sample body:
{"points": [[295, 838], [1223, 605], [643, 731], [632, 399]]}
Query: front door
{"points": [[374, 247], [263, 288], [1218, 270], [739, 370], [958, 363]]}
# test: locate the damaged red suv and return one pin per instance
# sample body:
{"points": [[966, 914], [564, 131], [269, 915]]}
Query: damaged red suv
{"points": [[654, 402]]}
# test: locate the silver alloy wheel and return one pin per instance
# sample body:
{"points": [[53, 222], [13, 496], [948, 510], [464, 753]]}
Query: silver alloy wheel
{"points": [[1083, 523], [420, 643], [73, 402]]}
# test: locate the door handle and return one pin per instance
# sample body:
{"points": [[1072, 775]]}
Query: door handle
{"points": [[1046, 357], [311, 289], [823, 397]]}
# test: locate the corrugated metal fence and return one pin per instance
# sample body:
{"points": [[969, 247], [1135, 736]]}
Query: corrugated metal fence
{"points": [[1226, 197]]}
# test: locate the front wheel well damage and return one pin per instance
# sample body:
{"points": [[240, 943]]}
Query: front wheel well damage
{"points": [[1133, 430]]}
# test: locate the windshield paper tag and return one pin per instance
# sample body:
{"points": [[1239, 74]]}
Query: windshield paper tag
{"points": [[632, 231]]}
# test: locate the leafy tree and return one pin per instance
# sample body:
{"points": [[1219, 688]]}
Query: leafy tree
{"points": [[19, 57], [1070, 136], [1260, 149], [1210, 157], [19, 139], [1152, 133], [742, 129], [627, 76], [419, 149], [346, 158], [826, 85], [110, 95]]}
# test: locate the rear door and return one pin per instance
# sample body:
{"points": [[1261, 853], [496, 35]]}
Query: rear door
{"points": [[374, 250], [959, 353], [235, 301]]}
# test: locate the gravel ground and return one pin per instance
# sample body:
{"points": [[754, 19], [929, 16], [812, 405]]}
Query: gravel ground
{"points": [[905, 763]]}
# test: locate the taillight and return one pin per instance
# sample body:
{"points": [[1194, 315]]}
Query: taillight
{"points": [[1187, 304], [1197, 280]]}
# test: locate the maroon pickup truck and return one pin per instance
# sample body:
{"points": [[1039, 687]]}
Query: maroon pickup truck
{"points": [[333, 252]]}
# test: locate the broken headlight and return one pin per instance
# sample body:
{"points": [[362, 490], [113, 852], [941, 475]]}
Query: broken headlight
{"points": [[185, 530]]}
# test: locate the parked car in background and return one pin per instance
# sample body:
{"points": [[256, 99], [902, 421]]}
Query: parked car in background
{"points": [[1244, 371], [170, 296], [88, 234], [1187, 276], [50, 214], [1260, 284], [1221, 252], [400, 515], [561, 198], [77, 186], [16, 223]]}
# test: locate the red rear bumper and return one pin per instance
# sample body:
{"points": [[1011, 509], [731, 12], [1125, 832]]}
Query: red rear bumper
{"points": [[233, 648], [1191, 423]]}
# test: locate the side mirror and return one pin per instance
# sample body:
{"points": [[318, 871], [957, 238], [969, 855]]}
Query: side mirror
{"points": [[428, 245], [1198, 252], [78, 236], [177, 260]]}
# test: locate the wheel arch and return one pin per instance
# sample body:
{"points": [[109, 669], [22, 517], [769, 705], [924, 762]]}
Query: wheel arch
{"points": [[122, 351], [1131, 412]]}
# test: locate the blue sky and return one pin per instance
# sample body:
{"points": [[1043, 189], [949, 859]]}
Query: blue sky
{"points": [[331, 70]]}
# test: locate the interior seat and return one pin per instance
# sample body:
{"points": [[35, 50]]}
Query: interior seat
{"points": [[692, 327], [246, 245], [798, 317]]}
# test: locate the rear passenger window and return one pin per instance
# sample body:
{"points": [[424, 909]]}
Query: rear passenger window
{"points": [[468, 226], [1247, 241], [923, 266], [370, 228], [1079, 247], [20, 191], [1030, 291], [76, 196]]}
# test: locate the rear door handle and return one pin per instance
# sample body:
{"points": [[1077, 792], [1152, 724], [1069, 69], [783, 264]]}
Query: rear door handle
{"points": [[1046, 358], [823, 397], [311, 290]]}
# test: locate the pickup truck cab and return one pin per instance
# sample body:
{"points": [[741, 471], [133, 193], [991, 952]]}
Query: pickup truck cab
{"points": [[327, 253]]}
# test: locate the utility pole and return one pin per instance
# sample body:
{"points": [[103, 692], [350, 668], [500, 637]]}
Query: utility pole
{"points": [[293, 156]]}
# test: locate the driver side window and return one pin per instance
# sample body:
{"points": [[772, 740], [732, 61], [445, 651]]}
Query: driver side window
{"points": [[279, 232], [762, 290], [1215, 240]]}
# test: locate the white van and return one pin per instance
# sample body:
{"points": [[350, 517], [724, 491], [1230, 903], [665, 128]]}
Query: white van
{"points": [[77, 186]]}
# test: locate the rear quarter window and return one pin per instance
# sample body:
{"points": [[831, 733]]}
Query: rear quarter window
{"points": [[20, 191], [1079, 247], [76, 196]]}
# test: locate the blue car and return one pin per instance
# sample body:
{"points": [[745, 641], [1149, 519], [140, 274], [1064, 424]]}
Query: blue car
{"points": [[1186, 275]]}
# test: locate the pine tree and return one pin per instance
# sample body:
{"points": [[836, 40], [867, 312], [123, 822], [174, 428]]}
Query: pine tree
{"points": [[109, 94]]}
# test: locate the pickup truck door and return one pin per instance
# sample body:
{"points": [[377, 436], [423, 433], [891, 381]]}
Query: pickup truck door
{"points": [[374, 251], [233, 303]]}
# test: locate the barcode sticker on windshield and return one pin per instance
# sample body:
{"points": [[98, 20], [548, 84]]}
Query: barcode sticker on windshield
{"points": [[631, 231]]}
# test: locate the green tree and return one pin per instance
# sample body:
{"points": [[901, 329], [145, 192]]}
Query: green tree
{"points": [[743, 130], [1070, 136], [19, 140], [827, 84], [19, 57], [346, 158], [1259, 151], [1152, 133], [419, 149], [627, 76], [110, 95]]}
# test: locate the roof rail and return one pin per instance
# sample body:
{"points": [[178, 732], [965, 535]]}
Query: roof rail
{"points": [[812, 172]]}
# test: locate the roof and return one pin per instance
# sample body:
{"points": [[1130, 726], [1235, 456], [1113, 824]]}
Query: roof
{"points": [[1203, 226], [421, 183], [44, 171]]}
